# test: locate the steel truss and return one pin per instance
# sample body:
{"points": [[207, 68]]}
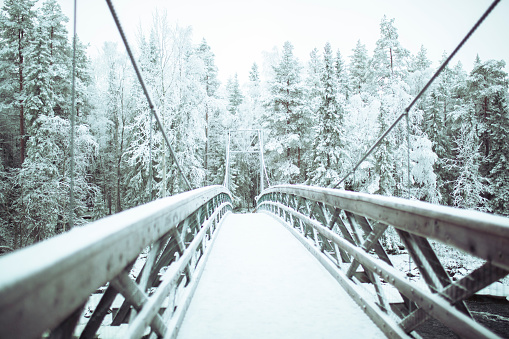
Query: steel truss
{"points": [[343, 230], [49, 285]]}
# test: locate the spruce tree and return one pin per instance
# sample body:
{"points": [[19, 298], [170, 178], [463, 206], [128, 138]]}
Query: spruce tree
{"points": [[488, 85], [313, 82], [51, 28], [341, 75], [235, 96], [254, 89], [209, 79], [286, 119], [358, 68], [16, 32], [329, 142], [469, 189]]}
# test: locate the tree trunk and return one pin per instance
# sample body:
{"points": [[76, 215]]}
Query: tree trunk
{"points": [[392, 70], [21, 110]]}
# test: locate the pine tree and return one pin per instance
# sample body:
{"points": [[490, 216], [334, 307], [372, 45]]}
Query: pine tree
{"points": [[388, 72], [389, 58]]}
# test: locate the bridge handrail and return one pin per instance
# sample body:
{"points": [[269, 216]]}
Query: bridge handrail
{"points": [[480, 234], [41, 285], [342, 230]]}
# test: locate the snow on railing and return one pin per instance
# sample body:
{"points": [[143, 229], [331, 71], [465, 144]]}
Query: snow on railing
{"points": [[140, 266], [347, 232]]}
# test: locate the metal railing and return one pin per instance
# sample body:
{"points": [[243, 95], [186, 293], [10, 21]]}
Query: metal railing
{"points": [[343, 230], [147, 260]]}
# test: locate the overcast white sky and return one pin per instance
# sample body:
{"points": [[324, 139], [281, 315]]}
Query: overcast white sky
{"points": [[239, 31]]}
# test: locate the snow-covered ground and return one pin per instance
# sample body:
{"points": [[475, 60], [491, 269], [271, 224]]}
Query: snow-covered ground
{"points": [[260, 282]]}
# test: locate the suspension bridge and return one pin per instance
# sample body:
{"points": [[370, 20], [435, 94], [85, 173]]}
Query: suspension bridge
{"points": [[309, 263]]}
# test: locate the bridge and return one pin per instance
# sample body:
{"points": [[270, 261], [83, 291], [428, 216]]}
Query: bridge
{"points": [[309, 262]]}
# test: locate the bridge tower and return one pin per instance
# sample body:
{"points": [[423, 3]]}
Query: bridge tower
{"points": [[245, 141]]}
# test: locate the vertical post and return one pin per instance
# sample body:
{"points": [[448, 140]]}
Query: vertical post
{"points": [[260, 137]]}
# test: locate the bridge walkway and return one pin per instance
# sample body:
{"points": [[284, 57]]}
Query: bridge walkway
{"points": [[261, 282]]}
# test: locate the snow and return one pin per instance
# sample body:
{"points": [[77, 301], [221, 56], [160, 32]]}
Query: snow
{"points": [[260, 282]]}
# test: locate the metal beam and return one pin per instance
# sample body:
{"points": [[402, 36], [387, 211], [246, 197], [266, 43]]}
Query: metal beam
{"points": [[432, 303], [480, 234], [57, 274]]}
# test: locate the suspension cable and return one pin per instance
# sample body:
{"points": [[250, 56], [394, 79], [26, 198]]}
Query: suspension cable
{"points": [[437, 73], [145, 89], [73, 123]]}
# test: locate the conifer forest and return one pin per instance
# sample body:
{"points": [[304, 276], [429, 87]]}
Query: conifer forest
{"points": [[319, 116]]}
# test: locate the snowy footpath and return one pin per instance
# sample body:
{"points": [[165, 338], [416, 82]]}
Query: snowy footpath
{"points": [[260, 282]]}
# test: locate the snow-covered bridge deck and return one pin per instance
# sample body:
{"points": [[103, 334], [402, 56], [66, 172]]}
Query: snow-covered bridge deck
{"points": [[261, 282]]}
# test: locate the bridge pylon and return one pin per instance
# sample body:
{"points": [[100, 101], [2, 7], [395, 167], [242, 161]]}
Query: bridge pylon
{"points": [[245, 141]]}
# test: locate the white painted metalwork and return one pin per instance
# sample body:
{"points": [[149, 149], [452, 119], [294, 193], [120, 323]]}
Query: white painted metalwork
{"points": [[46, 286], [343, 230]]}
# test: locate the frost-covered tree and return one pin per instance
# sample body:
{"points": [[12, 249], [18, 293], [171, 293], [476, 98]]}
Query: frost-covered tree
{"points": [[7, 227], [420, 73], [341, 75], [313, 81], [211, 82], [359, 68], [469, 187], [423, 178], [143, 151], [44, 178], [497, 161], [16, 31], [488, 89], [51, 28], [361, 114], [389, 57], [384, 155], [286, 119], [209, 77], [110, 122], [235, 96], [387, 72], [329, 143], [39, 89], [254, 90]]}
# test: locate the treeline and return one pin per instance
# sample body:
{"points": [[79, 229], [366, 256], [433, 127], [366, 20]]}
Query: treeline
{"points": [[322, 117], [318, 119]]}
